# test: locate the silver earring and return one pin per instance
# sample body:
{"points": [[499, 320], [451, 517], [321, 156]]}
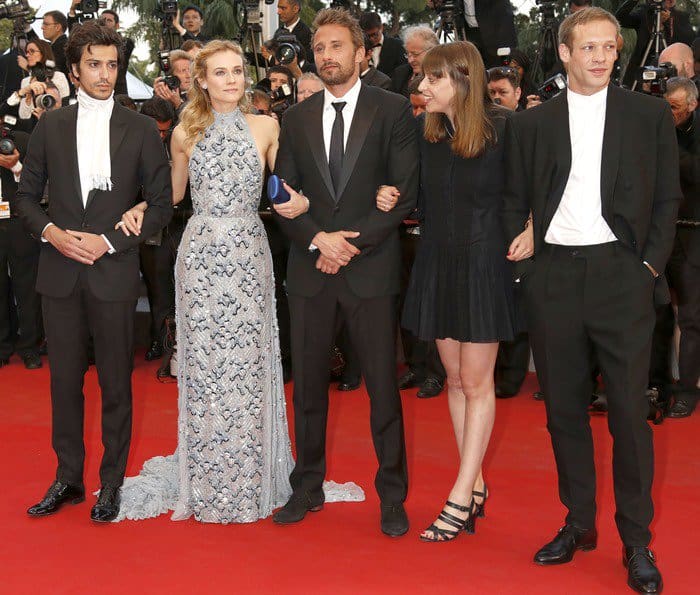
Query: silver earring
{"points": [[204, 86]]}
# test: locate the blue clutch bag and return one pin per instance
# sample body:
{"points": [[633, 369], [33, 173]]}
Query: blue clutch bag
{"points": [[275, 191]]}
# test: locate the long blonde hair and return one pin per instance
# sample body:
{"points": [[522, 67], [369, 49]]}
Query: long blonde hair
{"points": [[474, 131], [197, 115]]}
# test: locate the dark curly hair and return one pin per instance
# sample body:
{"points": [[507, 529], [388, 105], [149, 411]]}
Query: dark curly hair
{"points": [[91, 33]]}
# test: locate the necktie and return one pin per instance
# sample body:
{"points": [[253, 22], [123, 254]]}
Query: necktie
{"points": [[337, 150]]}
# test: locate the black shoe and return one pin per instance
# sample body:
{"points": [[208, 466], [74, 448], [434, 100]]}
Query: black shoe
{"points": [[599, 402], [538, 395], [4, 361], [32, 361], [569, 539], [506, 391], [435, 534], [430, 387], [106, 508], [296, 508], [642, 574], [480, 507], [394, 520], [154, 351], [347, 384], [43, 348], [286, 371], [56, 495], [409, 380], [682, 407]]}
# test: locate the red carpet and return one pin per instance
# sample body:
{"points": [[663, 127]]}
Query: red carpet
{"points": [[339, 550]]}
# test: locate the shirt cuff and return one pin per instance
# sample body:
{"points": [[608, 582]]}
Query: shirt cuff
{"points": [[17, 170], [110, 248], [43, 239], [13, 99]]}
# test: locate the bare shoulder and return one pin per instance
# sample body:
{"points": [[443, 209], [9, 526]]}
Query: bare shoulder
{"points": [[263, 126]]}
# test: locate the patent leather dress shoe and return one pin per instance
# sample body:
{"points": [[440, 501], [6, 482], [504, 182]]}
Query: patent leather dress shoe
{"points": [[430, 387], [682, 408], [32, 361], [296, 508], [409, 380], [57, 494], [154, 351], [569, 539], [642, 574], [348, 384], [106, 508], [394, 520]]}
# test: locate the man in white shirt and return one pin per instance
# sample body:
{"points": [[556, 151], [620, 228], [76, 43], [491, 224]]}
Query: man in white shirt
{"points": [[598, 168]]}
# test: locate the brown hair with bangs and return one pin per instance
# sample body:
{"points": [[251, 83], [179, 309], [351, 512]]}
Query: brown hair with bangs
{"points": [[474, 131]]}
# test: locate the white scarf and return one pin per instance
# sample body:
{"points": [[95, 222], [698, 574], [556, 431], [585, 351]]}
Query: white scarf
{"points": [[92, 139]]}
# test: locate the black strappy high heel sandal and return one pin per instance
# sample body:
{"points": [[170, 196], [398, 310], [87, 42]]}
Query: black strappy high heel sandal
{"points": [[458, 524], [480, 507]]}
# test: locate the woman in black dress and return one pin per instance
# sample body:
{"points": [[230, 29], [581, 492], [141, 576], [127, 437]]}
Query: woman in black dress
{"points": [[460, 293]]}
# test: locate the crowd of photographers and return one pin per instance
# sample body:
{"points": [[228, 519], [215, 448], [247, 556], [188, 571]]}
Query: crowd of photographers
{"points": [[37, 79]]}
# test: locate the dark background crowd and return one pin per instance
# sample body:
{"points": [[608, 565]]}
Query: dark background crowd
{"points": [[659, 55]]}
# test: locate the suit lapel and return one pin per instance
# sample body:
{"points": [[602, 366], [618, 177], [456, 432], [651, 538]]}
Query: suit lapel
{"points": [[560, 138], [117, 130], [361, 121], [610, 157], [316, 143], [68, 132]]}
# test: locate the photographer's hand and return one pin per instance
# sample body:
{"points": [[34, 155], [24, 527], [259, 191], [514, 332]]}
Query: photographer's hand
{"points": [[533, 101], [9, 161], [22, 63], [165, 92], [176, 23], [297, 205], [69, 245], [387, 197]]}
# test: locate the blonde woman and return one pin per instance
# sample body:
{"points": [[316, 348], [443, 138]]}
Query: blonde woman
{"points": [[233, 457]]}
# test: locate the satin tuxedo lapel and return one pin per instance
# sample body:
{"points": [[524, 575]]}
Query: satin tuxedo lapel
{"points": [[362, 119], [315, 135], [68, 127], [560, 137], [117, 131], [612, 147]]}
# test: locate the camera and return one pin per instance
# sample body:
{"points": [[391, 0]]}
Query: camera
{"points": [[168, 7], [44, 101], [170, 80], [7, 141], [284, 91], [87, 9], [287, 47], [43, 72], [552, 87], [13, 9], [654, 78]]}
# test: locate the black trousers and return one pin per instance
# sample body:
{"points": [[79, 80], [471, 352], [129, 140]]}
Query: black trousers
{"points": [[371, 325], [685, 280], [19, 261], [69, 322], [586, 304], [158, 270], [513, 362]]}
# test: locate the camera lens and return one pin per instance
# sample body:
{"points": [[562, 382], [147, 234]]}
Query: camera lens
{"points": [[7, 146]]}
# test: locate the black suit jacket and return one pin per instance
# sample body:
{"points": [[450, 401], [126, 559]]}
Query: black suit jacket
{"points": [[376, 78], [139, 162], [640, 188], [495, 18], [400, 79], [689, 150], [381, 149], [304, 36], [392, 55], [59, 53]]}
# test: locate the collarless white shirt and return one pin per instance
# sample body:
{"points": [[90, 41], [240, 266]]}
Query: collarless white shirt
{"points": [[350, 99], [578, 220]]}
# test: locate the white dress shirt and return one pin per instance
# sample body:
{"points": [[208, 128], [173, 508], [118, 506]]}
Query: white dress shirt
{"points": [[578, 220], [329, 112], [291, 26], [376, 52]]}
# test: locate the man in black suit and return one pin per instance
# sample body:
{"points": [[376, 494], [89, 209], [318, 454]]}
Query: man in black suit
{"points": [[368, 73], [53, 27], [598, 168], [288, 12], [684, 265], [95, 156], [387, 52], [675, 25], [340, 146]]}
